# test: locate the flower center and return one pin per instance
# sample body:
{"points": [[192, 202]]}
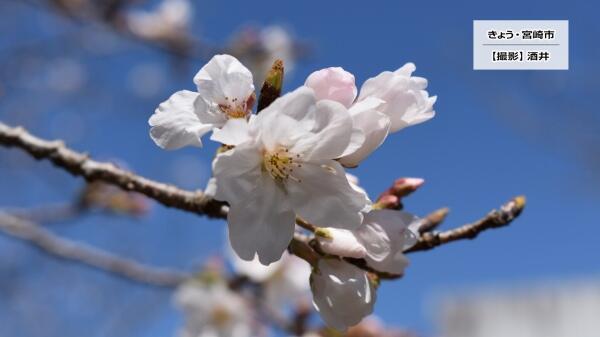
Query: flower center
{"points": [[235, 108], [281, 163]]}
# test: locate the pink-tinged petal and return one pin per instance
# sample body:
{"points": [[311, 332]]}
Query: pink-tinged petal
{"points": [[334, 84], [342, 293], [175, 123], [263, 224]]}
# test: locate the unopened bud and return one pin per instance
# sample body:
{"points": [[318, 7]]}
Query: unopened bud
{"points": [[271, 88], [433, 220], [339, 242], [392, 197], [405, 186]]}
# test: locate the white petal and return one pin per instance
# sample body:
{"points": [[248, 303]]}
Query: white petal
{"points": [[234, 132], [374, 239], [385, 235], [357, 139], [342, 293], [226, 90], [322, 195], [373, 124], [284, 122], [224, 76], [253, 269], [209, 113], [175, 124], [340, 242], [317, 130], [263, 224], [237, 173], [407, 102], [409, 107], [330, 132], [353, 181], [211, 187]]}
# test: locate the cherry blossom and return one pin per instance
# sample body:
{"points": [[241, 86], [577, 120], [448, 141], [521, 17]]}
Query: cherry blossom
{"points": [[169, 20], [283, 166], [380, 240], [406, 100], [342, 293], [225, 93], [283, 282], [212, 310], [386, 103]]}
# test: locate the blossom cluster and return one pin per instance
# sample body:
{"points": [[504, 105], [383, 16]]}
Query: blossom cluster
{"points": [[287, 163]]}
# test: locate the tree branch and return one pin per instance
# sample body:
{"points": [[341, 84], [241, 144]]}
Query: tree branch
{"points": [[495, 219], [79, 164], [196, 201], [88, 255]]}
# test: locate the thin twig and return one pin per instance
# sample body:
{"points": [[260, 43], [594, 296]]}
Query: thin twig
{"points": [[88, 255], [495, 219], [47, 214]]}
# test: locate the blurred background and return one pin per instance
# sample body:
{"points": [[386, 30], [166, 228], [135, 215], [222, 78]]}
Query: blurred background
{"points": [[91, 72]]}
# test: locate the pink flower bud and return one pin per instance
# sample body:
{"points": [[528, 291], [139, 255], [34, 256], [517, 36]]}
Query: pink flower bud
{"points": [[340, 242], [333, 83], [405, 186], [402, 187]]}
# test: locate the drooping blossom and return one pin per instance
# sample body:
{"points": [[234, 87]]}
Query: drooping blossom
{"points": [[282, 166], [225, 93], [380, 240], [386, 103], [212, 310], [342, 293], [283, 282]]}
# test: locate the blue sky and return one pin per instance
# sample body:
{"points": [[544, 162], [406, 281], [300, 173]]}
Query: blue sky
{"points": [[497, 134]]}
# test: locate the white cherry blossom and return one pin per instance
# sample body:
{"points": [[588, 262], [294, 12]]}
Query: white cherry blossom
{"points": [[283, 166], [212, 310], [380, 240], [284, 282], [406, 100], [387, 103], [386, 234], [342, 293], [169, 20], [225, 93]]}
